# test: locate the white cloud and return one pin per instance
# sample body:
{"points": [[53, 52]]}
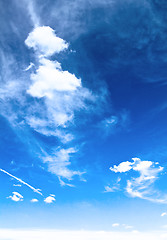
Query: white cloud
{"points": [[115, 187], [46, 102], [163, 214], [44, 40], [59, 162], [35, 20], [110, 122], [128, 226], [43, 234], [29, 67], [50, 199], [109, 189], [115, 225], [122, 167], [16, 197], [34, 200], [141, 186], [49, 78], [21, 181], [62, 183]]}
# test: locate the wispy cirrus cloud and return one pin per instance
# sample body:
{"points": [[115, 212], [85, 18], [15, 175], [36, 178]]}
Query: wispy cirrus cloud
{"points": [[114, 187], [142, 185]]}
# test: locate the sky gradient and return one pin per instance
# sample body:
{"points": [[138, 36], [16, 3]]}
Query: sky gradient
{"points": [[83, 108]]}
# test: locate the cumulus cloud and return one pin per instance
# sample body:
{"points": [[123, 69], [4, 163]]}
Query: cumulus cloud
{"points": [[142, 185], [49, 78], [16, 197], [163, 214], [50, 199], [122, 167], [44, 40]]}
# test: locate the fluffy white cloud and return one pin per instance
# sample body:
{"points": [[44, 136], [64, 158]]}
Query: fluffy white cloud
{"points": [[142, 185], [122, 167], [16, 197], [49, 78], [44, 40], [163, 214], [50, 199]]}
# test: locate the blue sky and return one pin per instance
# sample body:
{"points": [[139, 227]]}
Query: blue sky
{"points": [[83, 115]]}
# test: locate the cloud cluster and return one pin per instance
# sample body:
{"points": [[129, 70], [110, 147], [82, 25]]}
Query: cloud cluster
{"points": [[16, 197], [142, 185], [43, 98], [58, 95]]}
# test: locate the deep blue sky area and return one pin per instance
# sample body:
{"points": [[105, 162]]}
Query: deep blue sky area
{"points": [[83, 110]]}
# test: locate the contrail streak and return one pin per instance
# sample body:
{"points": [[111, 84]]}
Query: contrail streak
{"points": [[21, 181]]}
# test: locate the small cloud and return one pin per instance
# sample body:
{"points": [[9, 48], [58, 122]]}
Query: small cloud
{"points": [[115, 225], [34, 200], [53, 195], [16, 197], [115, 187], [163, 214], [109, 189], [110, 122], [62, 183], [127, 226], [29, 67], [50, 199]]}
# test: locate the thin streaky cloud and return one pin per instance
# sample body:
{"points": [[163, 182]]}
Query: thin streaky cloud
{"points": [[34, 18], [21, 181]]}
